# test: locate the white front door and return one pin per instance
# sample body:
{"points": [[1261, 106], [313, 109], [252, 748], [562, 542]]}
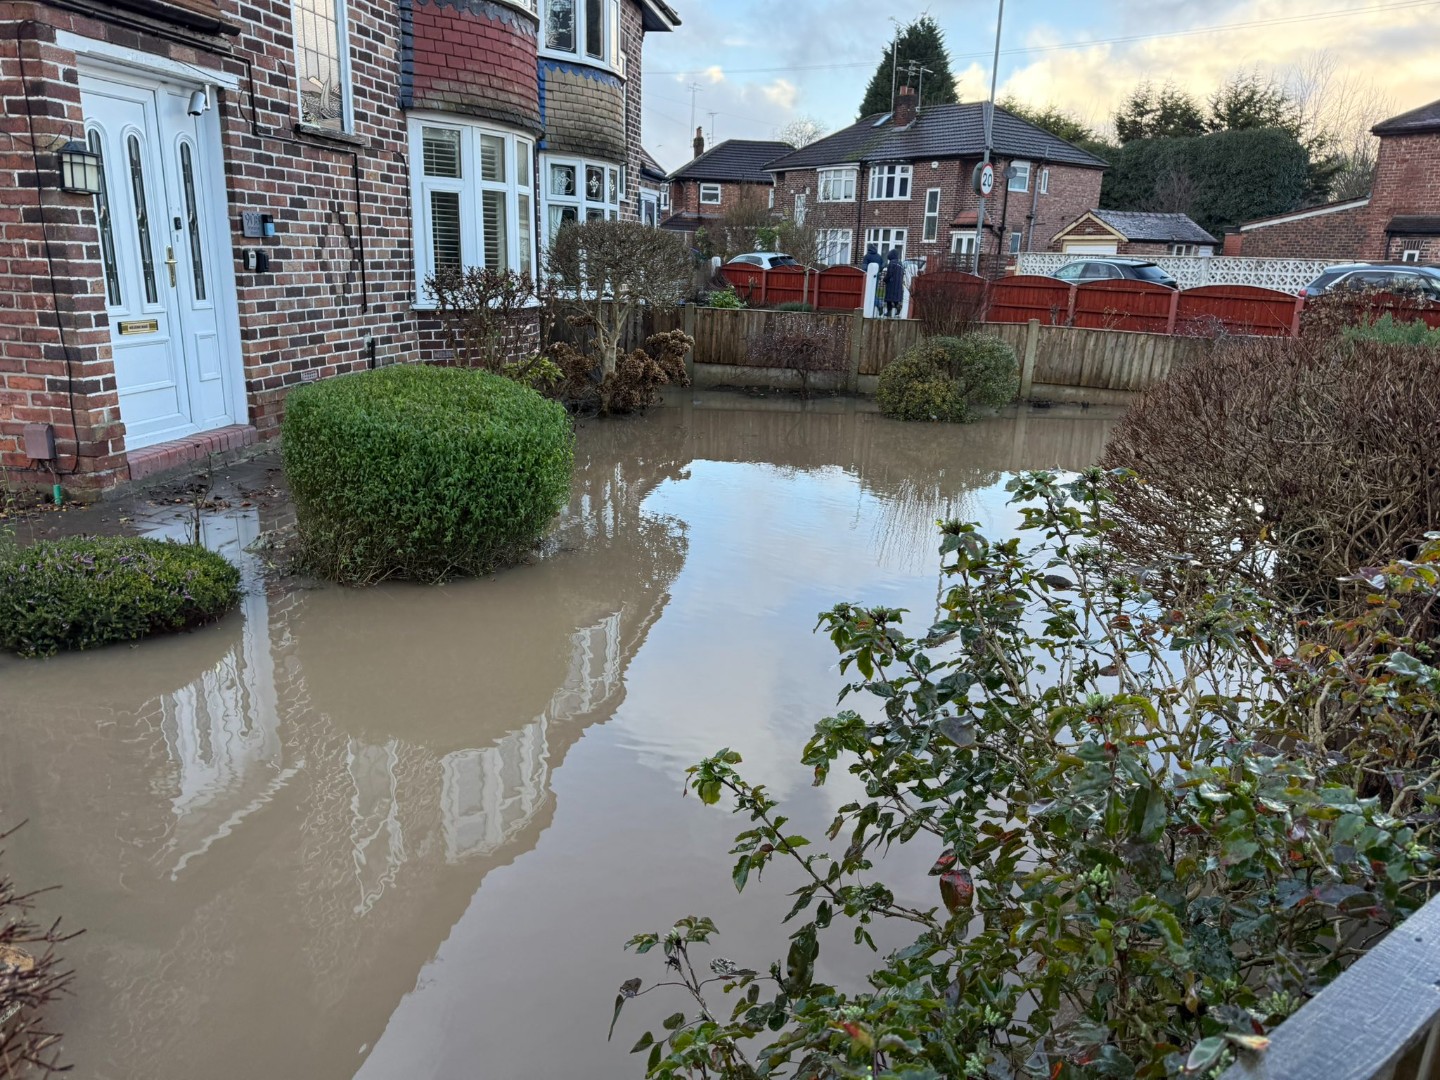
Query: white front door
{"points": [[164, 258]]}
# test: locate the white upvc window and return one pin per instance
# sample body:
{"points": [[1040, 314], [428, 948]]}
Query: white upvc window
{"points": [[1044, 181], [770, 198], [836, 185], [577, 189], [799, 212], [837, 246], [583, 30], [1016, 239], [890, 182], [1410, 255], [322, 64], [710, 195], [1021, 180], [665, 198], [1184, 249], [472, 198], [649, 208], [931, 232], [885, 239], [962, 243]]}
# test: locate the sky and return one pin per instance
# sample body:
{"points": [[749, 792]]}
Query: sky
{"points": [[761, 63]]}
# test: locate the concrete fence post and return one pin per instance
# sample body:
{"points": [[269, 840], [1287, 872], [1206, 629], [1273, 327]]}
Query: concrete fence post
{"points": [[1027, 363], [687, 321], [857, 342]]}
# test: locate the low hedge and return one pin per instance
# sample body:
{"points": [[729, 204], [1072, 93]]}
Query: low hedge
{"points": [[423, 473], [84, 592], [949, 378]]}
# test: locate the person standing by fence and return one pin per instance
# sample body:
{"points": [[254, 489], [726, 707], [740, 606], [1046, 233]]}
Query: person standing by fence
{"points": [[874, 258], [894, 284]]}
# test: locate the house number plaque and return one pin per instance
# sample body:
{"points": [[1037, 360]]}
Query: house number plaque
{"points": [[139, 326]]}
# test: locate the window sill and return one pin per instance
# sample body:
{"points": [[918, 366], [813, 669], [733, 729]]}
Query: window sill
{"points": [[889, 198], [834, 202], [346, 138]]}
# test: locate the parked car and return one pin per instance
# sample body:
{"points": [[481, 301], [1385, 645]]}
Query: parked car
{"points": [[1083, 270], [1394, 277], [765, 260]]}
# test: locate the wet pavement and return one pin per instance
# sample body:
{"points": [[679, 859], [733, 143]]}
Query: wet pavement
{"points": [[405, 831]]}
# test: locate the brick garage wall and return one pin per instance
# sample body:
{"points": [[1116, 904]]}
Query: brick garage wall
{"points": [[1334, 237], [1071, 192], [471, 56], [1407, 181], [584, 111]]}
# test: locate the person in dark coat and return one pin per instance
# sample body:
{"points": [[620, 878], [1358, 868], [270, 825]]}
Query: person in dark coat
{"points": [[894, 284], [873, 257]]}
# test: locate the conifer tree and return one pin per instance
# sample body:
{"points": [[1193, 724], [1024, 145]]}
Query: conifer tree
{"points": [[923, 44]]}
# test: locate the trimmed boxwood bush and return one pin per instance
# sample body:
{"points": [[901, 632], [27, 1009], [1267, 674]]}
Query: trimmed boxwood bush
{"points": [[421, 472], [949, 378], [84, 592]]}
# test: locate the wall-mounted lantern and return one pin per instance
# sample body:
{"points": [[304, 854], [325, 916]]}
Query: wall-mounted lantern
{"points": [[79, 169]]}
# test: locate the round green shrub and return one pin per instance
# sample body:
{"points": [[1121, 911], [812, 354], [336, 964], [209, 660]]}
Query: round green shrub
{"points": [[84, 592], [423, 473], [949, 378]]}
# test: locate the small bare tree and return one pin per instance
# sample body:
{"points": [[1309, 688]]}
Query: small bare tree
{"points": [[805, 343], [603, 274], [480, 310], [802, 131]]}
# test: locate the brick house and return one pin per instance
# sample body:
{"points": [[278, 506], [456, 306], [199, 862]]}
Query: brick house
{"points": [[1398, 222], [1131, 232], [728, 175], [654, 190], [252, 195], [903, 179]]}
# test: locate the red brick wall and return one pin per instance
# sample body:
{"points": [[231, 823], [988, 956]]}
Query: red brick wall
{"points": [[685, 197], [1335, 237], [475, 57], [1407, 181]]}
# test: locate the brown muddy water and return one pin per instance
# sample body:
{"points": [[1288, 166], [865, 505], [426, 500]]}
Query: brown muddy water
{"points": [[404, 832]]}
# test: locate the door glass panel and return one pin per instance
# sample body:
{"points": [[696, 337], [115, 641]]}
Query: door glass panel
{"points": [[102, 218], [142, 218], [445, 229], [192, 220]]}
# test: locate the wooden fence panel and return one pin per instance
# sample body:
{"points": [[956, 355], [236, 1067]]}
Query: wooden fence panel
{"points": [[1235, 309], [1404, 309], [882, 340], [840, 288], [956, 290], [788, 285], [1020, 299], [1123, 305], [748, 281]]}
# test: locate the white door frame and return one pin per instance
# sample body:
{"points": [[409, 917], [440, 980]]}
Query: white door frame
{"points": [[109, 61]]}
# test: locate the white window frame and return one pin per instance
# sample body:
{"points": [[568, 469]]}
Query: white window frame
{"points": [[650, 204], [665, 199], [1184, 249], [1044, 181], [1021, 180], [716, 189], [899, 178], [580, 200], [930, 229], [836, 185], [342, 44], [838, 246], [962, 243], [612, 45], [1017, 240], [1410, 255], [520, 255], [894, 238], [798, 213], [770, 202]]}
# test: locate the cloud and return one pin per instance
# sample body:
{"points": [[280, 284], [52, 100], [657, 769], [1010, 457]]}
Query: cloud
{"points": [[781, 93]]}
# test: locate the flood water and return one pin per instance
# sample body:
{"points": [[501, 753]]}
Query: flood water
{"points": [[404, 832]]}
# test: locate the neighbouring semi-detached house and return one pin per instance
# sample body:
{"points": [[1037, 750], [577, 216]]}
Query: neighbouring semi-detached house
{"points": [[725, 177], [1133, 232], [903, 180], [1398, 222], [213, 201]]}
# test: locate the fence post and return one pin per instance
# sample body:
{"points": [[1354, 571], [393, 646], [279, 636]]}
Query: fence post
{"points": [[764, 283], [1027, 363], [1295, 321], [857, 341], [1070, 309], [687, 319], [1174, 311]]}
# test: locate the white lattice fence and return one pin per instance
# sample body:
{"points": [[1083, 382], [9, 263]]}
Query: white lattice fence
{"points": [[1190, 271]]}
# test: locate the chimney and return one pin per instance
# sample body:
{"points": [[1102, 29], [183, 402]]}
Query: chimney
{"points": [[699, 141], [905, 107]]}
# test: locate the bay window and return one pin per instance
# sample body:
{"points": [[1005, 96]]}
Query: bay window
{"points": [[471, 198], [836, 185], [579, 190], [890, 182], [587, 30]]}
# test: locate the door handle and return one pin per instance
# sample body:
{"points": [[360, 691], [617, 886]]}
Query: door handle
{"points": [[170, 263]]}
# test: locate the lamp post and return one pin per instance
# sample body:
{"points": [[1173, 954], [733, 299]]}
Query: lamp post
{"points": [[989, 140]]}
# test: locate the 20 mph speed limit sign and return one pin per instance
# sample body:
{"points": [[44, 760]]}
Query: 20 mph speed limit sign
{"points": [[984, 178]]}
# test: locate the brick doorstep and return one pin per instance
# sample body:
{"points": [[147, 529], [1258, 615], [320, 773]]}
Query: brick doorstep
{"points": [[224, 443]]}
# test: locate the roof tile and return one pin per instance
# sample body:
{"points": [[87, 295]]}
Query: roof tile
{"points": [[741, 160]]}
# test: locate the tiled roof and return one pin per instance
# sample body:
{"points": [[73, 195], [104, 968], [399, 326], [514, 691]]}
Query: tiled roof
{"points": [[1414, 122], [939, 131], [735, 160], [650, 169], [1138, 226]]}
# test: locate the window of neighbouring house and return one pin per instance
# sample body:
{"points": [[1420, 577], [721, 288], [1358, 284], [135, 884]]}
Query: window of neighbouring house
{"points": [[649, 208], [574, 189], [931, 232], [799, 213], [1044, 181], [770, 198], [709, 194], [322, 63], [665, 197], [1016, 238], [587, 30], [890, 182], [1021, 180], [1410, 255], [885, 239], [836, 185], [837, 246], [1184, 249], [471, 198]]}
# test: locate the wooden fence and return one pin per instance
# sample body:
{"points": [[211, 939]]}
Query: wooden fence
{"points": [[836, 288]]}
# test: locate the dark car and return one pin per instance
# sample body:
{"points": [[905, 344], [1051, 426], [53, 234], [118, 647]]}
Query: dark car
{"points": [[1395, 277], [1082, 270]]}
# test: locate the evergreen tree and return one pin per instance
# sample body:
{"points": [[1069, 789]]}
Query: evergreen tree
{"points": [[1169, 114], [1061, 124], [923, 44]]}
